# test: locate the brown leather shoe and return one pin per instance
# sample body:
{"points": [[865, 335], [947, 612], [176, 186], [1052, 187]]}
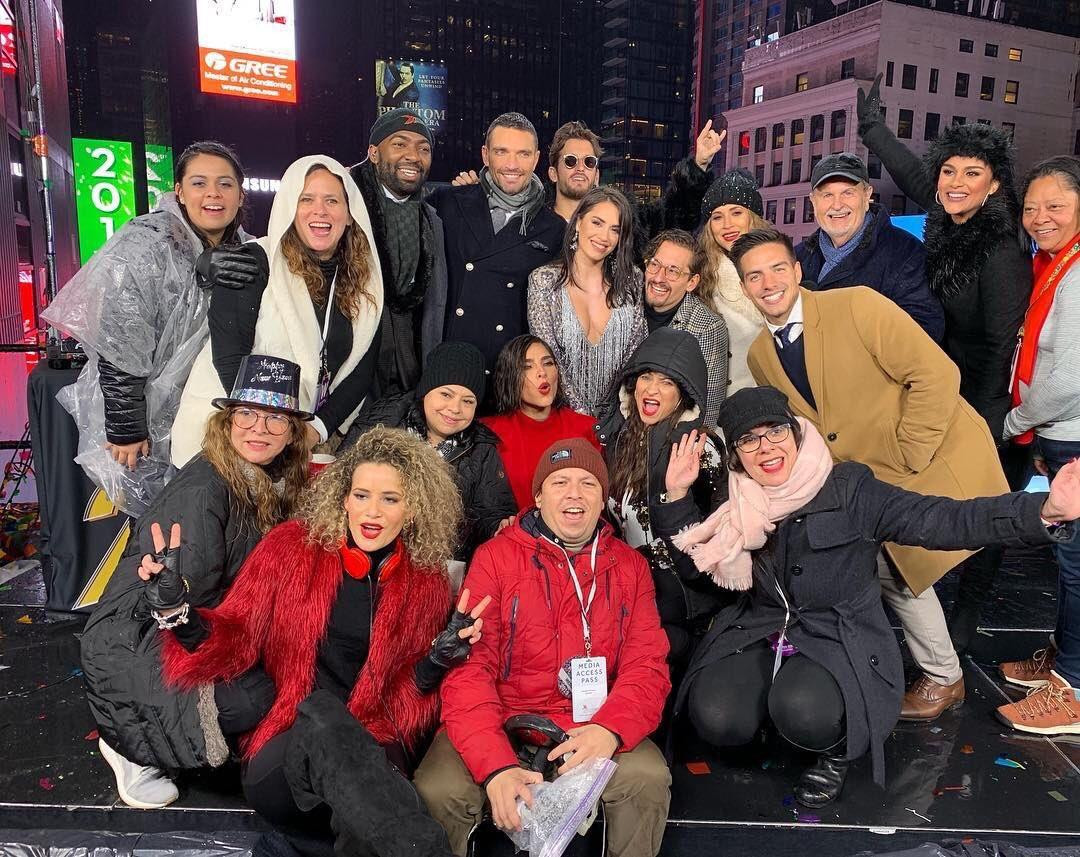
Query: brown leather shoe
{"points": [[926, 700]]}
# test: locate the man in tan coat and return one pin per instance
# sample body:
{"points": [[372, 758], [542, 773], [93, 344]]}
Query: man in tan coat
{"points": [[881, 392]]}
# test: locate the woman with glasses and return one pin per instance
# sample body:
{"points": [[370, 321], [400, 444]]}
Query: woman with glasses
{"points": [[805, 642], [587, 305], [253, 464]]}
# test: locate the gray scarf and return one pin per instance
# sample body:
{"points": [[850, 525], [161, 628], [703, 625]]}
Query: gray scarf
{"points": [[505, 205]]}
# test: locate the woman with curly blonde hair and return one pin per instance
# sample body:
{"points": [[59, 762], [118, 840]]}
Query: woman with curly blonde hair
{"points": [[321, 657]]}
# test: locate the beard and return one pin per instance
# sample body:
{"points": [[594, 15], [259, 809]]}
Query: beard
{"points": [[389, 179], [573, 191]]}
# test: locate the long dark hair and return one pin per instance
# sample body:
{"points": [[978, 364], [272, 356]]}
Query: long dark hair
{"points": [[619, 265], [1065, 167], [630, 469], [509, 372], [218, 150]]}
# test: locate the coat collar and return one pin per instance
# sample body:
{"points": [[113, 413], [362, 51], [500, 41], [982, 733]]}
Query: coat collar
{"points": [[814, 355]]}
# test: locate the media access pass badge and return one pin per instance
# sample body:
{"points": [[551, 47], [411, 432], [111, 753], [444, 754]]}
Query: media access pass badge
{"points": [[587, 684]]}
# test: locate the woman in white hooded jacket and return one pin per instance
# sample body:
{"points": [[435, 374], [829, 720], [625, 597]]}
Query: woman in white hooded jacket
{"points": [[311, 291]]}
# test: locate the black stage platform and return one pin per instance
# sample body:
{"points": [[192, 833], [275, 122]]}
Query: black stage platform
{"points": [[963, 776]]}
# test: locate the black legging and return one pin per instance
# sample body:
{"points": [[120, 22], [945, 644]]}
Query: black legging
{"points": [[730, 699]]}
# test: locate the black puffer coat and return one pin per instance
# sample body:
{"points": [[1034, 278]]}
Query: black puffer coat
{"points": [[685, 601], [121, 645], [478, 469], [824, 556]]}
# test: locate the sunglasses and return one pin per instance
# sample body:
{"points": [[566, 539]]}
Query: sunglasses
{"points": [[571, 161]]}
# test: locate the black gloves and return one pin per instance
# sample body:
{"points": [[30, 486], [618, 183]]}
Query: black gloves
{"points": [[232, 267], [167, 589], [868, 107], [449, 649]]}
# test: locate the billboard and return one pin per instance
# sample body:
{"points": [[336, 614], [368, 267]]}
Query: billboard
{"points": [[247, 48], [9, 61], [104, 190], [159, 173], [420, 86]]}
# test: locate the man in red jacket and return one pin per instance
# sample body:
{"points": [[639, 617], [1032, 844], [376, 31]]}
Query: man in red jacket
{"points": [[566, 595]]}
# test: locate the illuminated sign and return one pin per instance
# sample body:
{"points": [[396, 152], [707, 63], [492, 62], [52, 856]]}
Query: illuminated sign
{"points": [[9, 63], [420, 86], [254, 185], [104, 190], [247, 48], [159, 173]]}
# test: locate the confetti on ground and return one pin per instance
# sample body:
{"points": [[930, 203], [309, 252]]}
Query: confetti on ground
{"points": [[940, 791], [92, 735], [46, 783], [2, 667], [698, 768], [967, 749], [917, 814], [1058, 796], [936, 730], [41, 716], [807, 817], [25, 620], [1006, 762]]}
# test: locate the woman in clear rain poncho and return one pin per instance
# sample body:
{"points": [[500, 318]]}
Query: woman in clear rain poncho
{"points": [[141, 318]]}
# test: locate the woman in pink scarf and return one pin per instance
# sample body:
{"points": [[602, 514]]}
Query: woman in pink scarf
{"points": [[804, 642]]}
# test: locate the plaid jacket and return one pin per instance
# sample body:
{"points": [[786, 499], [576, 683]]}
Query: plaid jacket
{"points": [[710, 329]]}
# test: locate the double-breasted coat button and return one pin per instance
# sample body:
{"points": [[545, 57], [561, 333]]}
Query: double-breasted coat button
{"points": [[832, 435], [796, 570], [468, 266], [509, 285], [873, 660], [499, 328], [459, 312]]}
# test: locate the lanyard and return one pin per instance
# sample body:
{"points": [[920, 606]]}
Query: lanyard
{"points": [[329, 310], [323, 391], [585, 605]]}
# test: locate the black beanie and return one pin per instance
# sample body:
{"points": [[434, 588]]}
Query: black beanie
{"points": [[749, 407], [453, 363], [735, 187], [398, 119]]}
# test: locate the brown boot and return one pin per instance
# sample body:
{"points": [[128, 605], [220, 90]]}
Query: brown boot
{"points": [[926, 699]]}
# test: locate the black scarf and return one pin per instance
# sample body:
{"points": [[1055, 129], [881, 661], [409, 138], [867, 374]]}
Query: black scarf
{"points": [[957, 252]]}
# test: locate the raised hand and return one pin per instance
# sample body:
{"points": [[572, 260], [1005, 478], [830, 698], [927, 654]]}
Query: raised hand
{"points": [[462, 632], [708, 144], [233, 267], [166, 589], [1063, 504], [868, 106], [684, 465]]}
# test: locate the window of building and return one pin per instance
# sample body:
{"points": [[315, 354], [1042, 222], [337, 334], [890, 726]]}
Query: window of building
{"points": [[909, 76], [759, 175], [962, 84], [637, 167], [933, 126], [986, 92], [778, 135], [873, 166], [934, 74], [736, 100], [777, 174], [761, 137], [1076, 144], [1012, 91], [847, 68], [795, 176], [890, 67], [789, 210], [899, 203], [991, 50], [983, 121], [959, 120], [759, 94], [797, 133], [744, 143], [1009, 128], [817, 128], [659, 130], [1015, 54], [807, 210], [967, 46], [802, 82], [770, 211], [837, 124], [814, 161], [905, 119]]}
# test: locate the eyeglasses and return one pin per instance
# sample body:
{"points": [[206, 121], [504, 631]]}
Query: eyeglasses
{"points": [[247, 418], [571, 161], [671, 272], [751, 442]]}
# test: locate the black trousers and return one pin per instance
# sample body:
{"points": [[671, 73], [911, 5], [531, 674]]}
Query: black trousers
{"points": [[731, 698]]}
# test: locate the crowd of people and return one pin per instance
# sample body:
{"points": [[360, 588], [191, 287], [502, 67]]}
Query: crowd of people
{"points": [[572, 435]]}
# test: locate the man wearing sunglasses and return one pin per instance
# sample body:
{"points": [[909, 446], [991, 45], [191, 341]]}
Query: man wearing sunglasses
{"points": [[573, 166]]}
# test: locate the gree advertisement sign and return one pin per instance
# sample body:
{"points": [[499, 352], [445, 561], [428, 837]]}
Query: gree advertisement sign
{"points": [[104, 190], [247, 48], [159, 173]]}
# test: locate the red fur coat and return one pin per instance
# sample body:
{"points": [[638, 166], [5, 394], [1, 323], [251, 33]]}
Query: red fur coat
{"points": [[276, 613]]}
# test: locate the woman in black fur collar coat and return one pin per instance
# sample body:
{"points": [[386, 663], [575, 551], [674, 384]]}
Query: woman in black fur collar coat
{"points": [[979, 272]]}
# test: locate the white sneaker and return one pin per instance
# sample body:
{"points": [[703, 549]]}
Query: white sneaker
{"points": [[140, 787]]}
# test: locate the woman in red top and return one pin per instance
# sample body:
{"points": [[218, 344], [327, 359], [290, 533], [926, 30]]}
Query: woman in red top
{"points": [[531, 412]]}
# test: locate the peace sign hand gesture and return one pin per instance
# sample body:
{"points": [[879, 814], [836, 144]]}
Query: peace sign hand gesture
{"points": [[684, 466], [166, 589], [462, 632]]}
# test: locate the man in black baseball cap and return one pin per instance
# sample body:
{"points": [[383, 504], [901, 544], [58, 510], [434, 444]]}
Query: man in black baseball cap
{"points": [[409, 241], [856, 243]]}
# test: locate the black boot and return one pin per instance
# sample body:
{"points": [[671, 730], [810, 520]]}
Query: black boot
{"points": [[978, 574], [822, 782], [331, 759]]}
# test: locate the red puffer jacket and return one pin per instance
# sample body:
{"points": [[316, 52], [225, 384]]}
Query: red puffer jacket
{"points": [[533, 627]]}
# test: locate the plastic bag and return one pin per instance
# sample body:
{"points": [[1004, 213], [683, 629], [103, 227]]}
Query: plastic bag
{"points": [[135, 304], [560, 807]]}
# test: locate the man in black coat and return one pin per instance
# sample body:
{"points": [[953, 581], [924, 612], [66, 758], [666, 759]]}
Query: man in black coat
{"points": [[497, 232], [856, 244], [409, 240]]}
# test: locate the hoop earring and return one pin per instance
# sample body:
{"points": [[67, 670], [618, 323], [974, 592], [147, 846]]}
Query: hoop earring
{"points": [[937, 198], [573, 242]]}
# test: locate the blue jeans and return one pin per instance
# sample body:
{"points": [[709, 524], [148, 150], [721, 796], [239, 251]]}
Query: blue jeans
{"points": [[1058, 453]]}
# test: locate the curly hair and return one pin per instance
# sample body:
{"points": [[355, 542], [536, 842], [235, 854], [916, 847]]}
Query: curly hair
{"points": [[509, 374], [251, 488], [432, 502], [354, 264], [715, 255]]}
